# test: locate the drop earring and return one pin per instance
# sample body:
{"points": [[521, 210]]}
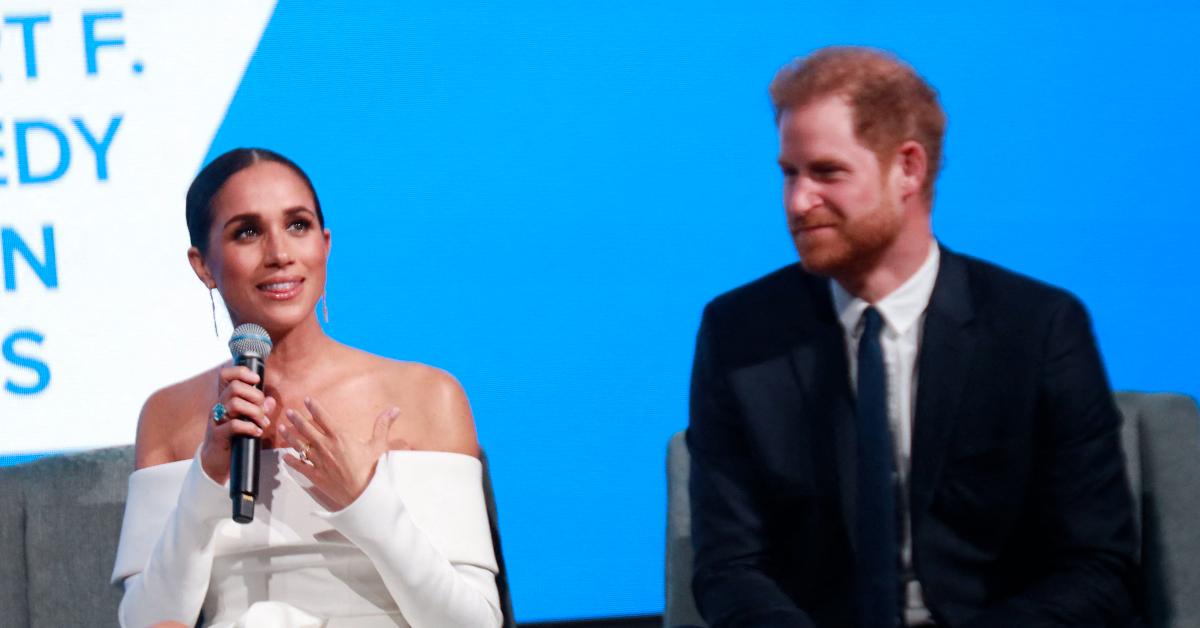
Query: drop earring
{"points": [[213, 302], [325, 307]]}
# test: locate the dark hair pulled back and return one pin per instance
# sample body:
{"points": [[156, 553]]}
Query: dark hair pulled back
{"points": [[213, 176]]}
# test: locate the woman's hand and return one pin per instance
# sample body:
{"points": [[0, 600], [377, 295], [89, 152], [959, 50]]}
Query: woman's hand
{"points": [[339, 467], [241, 401]]}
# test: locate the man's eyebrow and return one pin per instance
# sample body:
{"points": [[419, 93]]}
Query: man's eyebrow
{"points": [[827, 162]]}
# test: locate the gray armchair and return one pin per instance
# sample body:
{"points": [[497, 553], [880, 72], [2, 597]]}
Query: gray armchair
{"points": [[60, 519], [59, 524], [1161, 437]]}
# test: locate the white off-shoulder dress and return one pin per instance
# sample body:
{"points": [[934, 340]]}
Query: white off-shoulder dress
{"points": [[414, 549]]}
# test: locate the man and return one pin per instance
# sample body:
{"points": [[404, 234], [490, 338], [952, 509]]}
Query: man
{"points": [[891, 433]]}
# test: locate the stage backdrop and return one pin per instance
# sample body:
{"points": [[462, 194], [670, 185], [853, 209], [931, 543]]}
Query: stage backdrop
{"points": [[540, 197]]}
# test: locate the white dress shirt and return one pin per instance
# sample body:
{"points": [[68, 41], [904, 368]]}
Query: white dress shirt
{"points": [[903, 313]]}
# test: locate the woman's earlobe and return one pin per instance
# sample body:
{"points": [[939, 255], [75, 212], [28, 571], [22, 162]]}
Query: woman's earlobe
{"points": [[196, 260]]}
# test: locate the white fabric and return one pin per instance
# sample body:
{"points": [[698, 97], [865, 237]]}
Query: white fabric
{"points": [[903, 313], [414, 549]]}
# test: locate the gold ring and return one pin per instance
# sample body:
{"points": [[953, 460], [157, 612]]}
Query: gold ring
{"points": [[304, 455]]}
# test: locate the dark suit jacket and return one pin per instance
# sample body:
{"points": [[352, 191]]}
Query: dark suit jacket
{"points": [[1021, 512]]}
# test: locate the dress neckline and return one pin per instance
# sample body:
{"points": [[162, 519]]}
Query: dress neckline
{"points": [[416, 453]]}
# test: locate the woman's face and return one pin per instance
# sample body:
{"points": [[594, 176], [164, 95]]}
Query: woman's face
{"points": [[266, 250]]}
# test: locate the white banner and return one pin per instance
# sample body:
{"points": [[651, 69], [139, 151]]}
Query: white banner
{"points": [[106, 112]]}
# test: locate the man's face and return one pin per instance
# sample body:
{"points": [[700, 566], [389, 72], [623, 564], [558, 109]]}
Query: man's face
{"points": [[843, 206]]}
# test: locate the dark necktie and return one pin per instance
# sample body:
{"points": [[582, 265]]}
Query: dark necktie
{"points": [[878, 580]]}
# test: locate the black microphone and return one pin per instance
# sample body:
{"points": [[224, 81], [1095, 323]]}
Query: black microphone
{"points": [[250, 346]]}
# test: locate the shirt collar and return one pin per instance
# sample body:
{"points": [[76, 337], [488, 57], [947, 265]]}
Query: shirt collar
{"points": [[902, 307]]}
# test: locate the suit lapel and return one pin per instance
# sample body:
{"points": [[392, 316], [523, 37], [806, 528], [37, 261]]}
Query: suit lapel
{"points": [[822, 375], [947, 348], [845, 436]]}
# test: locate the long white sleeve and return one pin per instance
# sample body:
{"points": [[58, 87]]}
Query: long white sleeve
{"points": [[423, 522], [172, 582]]}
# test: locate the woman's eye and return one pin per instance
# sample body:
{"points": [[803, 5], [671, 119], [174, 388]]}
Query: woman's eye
{"points": [[299, 225], [245, 232]]}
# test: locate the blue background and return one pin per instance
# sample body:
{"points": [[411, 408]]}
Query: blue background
{"points": [[541, 198]]}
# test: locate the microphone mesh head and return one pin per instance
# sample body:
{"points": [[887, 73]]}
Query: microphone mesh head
{"points": [[250, 339]]}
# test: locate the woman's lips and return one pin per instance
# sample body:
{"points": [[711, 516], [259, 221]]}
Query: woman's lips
{"points": [[281, 289]]}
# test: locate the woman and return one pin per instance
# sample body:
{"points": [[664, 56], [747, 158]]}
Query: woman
{"points": [[349, 527]]}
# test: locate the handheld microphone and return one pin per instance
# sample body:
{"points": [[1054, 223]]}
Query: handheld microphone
{"points": [[250, 346]]}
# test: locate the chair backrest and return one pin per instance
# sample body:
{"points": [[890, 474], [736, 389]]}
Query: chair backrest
{"points": [[60, 520], [680, 607], [1161, 439], [59, 525], [1167, 483], [494, 522]]}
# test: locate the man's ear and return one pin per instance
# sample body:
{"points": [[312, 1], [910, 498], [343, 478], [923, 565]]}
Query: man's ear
{"points": [[914, 167], [196, 259]]}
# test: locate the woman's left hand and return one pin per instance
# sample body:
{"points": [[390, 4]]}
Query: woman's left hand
{"points": [[339, 466]]}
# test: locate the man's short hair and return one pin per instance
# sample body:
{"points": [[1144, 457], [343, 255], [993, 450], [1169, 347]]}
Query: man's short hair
{"points": [[890, 102]]}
